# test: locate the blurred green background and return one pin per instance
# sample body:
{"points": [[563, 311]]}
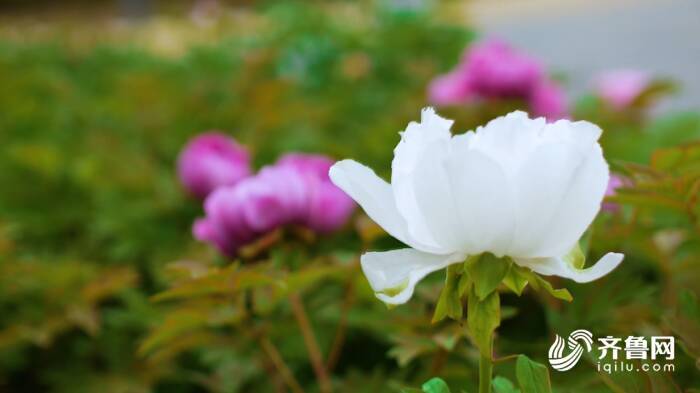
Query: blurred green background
{"points": [[94, 113]]}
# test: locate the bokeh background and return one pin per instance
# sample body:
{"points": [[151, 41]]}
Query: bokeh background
{"points": [[104, 289]]}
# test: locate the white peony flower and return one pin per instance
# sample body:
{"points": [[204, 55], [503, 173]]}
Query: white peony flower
{"points": [[517, 187]]}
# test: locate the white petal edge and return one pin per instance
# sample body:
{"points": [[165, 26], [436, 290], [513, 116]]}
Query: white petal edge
{"points": [[431, 133], [376, 197], [559, 267], [398, 271]]}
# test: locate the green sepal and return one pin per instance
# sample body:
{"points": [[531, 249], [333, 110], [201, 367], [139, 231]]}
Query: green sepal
{"points": [[532, 377], [516, 279], [538, 283], [483, 317], [450, 302], [487, 271]]}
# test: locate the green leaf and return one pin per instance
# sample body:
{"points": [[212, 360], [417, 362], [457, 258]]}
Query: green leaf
{"points": [[538, 283], [313, 274], [410, 347], [503, 385], [435, 385], [532, 377], [487, 271], [516, 279], [483, 318], [450, 302]]}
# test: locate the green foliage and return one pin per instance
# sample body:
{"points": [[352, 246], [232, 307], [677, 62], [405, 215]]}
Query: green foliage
{"points": [[538, 283], [516, 279], [503, 385], [488, 272], [435, 385], [102, 287], [483, 317], [450, 302], [532, 377]]}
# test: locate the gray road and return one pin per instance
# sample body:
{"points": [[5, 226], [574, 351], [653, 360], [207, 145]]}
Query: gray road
{"points": [[581, 38]]}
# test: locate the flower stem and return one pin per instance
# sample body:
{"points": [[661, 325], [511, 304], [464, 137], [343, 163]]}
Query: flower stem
{"points": [[280, 365], [338, 341], [310, 342], [486, 370]]}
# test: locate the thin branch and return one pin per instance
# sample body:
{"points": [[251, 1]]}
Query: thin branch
{"points": [[339, 339], [311, 343], [438, 361], [279, 363], [505, 358]]}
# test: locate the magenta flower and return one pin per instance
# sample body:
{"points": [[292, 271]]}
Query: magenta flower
{"points": [[620, 88], [294, 191], [212, 160], [314, 165], [496, 70], [329, 207], [548, 100], [493, 69], [451, 88], [614, 183], [238, 215]]}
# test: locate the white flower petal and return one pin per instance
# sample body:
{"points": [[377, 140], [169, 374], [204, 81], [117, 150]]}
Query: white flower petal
{"points": [[376, 198], [433, 132], [484, 198], [560, 267], [580, 204], [560, 188], [509, 139], [394, 274], [580, 133], [433, 192], [541, 183]]}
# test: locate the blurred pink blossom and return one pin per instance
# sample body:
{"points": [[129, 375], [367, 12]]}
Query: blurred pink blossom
{"points": [[492, 69], [451, 88], [620, 88], [329, 207], [614, 183], [294, 191], [548, 100], [211, 160]]}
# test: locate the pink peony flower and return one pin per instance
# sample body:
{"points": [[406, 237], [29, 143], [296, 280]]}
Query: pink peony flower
{"points": [[621, 87], [329, 207], [211, 160], [449, 89], [493, 69], [548, 100], [296, 190]]}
